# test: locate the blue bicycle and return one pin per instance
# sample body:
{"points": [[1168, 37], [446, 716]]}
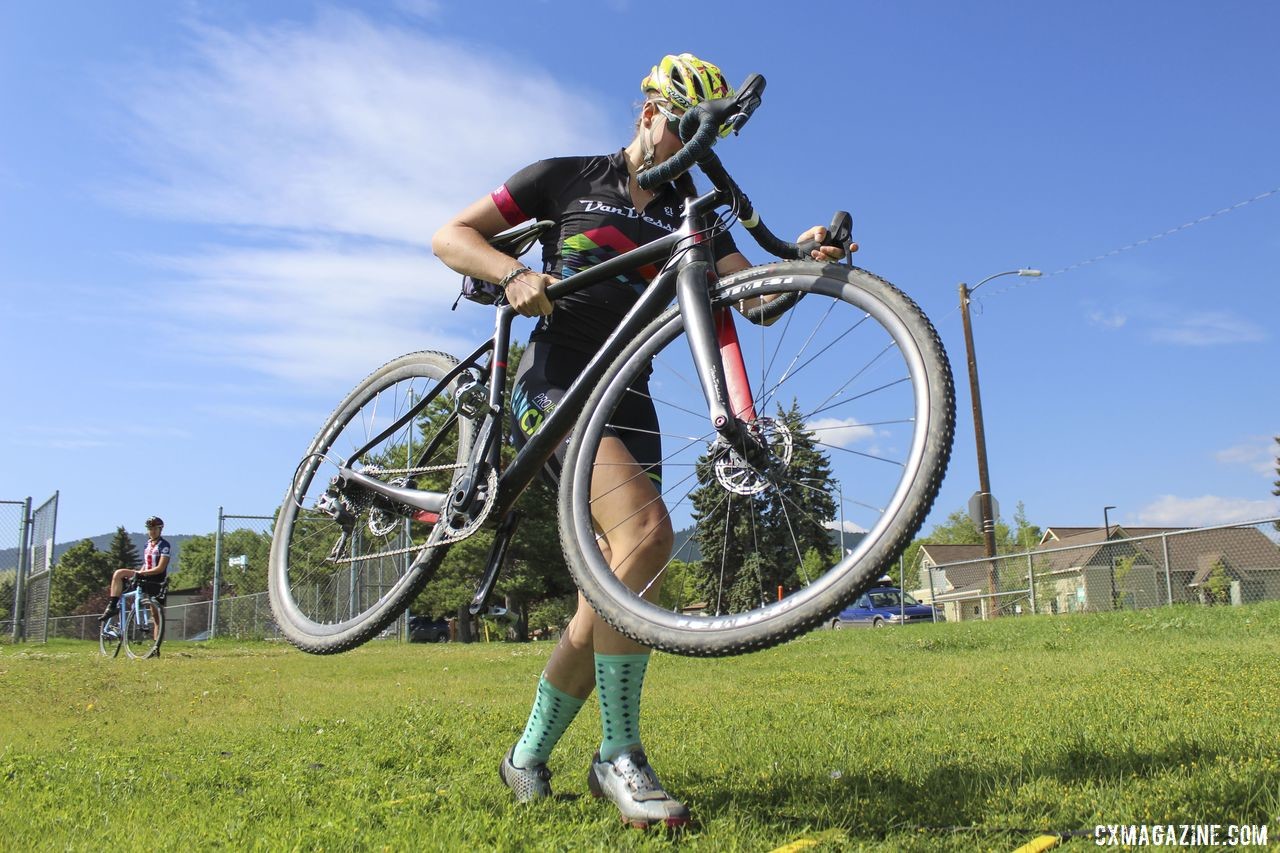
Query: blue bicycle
{"points": [[138, 626]]}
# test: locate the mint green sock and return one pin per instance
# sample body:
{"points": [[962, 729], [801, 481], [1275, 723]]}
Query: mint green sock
{"points": [[619, 680], [553, 711]]}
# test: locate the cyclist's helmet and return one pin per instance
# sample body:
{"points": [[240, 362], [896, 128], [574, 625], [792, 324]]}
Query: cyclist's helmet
{"points": [[155, 521], [684, 80]]}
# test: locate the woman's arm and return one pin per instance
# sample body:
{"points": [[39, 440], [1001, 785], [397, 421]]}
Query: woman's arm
{"points": [[463, 245]]}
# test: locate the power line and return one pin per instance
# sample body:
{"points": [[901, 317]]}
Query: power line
{"points": [[1154, 237]]}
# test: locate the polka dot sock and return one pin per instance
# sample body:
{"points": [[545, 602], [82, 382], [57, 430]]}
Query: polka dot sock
{"points": [[553, 711], [619, 679]]}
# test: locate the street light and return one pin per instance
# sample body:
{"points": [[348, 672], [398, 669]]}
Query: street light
{"points": [[979, 433], [1106, 522]]}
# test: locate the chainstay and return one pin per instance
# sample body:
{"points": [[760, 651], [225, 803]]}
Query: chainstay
{"points": [[439, 535]]}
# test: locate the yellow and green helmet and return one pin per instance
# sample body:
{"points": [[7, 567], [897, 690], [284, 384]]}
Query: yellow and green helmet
{"points": [[684, 80]]}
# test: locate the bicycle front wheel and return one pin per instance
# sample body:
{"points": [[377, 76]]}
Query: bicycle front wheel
{"points": [[143, 635], [346, 563], [111, 635], [851, 427]]}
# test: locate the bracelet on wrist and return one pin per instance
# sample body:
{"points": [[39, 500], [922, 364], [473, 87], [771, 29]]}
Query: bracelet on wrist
{"points": [[512, 276]]}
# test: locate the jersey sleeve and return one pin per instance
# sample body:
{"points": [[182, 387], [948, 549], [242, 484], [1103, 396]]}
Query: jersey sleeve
{"points": [[722, 245], [528, 193]]}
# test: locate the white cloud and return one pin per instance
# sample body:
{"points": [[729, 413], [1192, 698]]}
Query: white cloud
{"points": [[849, 526], [1209, 328], [328, 154], [1107, 319], [1171, 511], [840, 432], [1258, 453]]}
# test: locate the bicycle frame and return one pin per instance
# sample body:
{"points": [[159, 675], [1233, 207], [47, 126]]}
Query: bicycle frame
{"points": [[687, 276], [141, 615]]}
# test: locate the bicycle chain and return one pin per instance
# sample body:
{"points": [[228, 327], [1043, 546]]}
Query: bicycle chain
{"points": [[375, 471]]}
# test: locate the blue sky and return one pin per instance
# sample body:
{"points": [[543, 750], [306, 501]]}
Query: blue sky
{"points": [[216, 220]]}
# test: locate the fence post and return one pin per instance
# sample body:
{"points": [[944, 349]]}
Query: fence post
{"points": [[217, 578], [1031, 583], [1168, 585], [19, 585], [932, 594]]}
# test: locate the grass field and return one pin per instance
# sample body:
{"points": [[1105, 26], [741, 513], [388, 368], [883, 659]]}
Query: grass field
{"points": [[966, 736]]}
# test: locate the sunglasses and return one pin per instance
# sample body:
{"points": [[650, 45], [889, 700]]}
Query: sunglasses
{"points": [[673, 120]]}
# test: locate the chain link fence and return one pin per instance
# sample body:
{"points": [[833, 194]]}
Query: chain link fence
{"points": [[241, 617], [39, 578], [13, 539], [1090, 570]]}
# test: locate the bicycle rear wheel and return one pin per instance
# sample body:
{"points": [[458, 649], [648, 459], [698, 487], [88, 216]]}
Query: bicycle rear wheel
{"points": [[111, 636], [854, 415], [345, 563], [144, 635]]}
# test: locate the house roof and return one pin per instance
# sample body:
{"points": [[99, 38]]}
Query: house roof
{"points": [[964, 577], [939, 554], [1073, 535], [1241, 549]]}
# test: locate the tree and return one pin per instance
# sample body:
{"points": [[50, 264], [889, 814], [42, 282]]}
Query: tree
{"points": [[1217, 587], [7, 589], [195, 568], [1276, 490], [535, 570], [122, 552], [753, 544], [82, 572], [1123, 566]]}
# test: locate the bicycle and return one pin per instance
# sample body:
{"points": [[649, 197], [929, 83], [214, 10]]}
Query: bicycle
{"points": [[138, 625], [798, 486]]}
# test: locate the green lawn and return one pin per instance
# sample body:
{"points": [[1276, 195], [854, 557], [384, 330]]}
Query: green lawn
{"points": [[968, 736]]}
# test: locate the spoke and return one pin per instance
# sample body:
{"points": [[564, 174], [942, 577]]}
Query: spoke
{"points": [[861, 396], [861, 454], [790, 373]]}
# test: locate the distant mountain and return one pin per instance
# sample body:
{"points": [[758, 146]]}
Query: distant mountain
{"points": [[9, 556], [687, 547]]}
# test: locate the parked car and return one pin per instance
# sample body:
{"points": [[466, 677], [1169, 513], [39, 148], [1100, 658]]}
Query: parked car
{"points": [[885, 605], [424, 629]]}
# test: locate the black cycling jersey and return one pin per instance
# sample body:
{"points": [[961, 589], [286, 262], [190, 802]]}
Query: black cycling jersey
{"points": [[588, 199]]}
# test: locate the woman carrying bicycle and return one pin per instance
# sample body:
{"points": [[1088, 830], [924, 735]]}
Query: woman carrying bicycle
{"points": [[599, 211]]}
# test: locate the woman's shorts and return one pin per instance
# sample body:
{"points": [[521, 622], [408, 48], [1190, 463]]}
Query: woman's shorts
{"points": [[546, 371]]}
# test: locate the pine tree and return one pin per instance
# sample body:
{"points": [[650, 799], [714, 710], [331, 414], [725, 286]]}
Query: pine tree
{"points": [[753, 544], [123, 553]]}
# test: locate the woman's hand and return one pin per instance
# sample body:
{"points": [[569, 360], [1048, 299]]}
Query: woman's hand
{"points": [[828, 254], [527, 293]]}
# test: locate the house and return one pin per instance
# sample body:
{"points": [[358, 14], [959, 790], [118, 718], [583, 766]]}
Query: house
{"points": [[959, 590], [1091, 569], [1075, 569]]}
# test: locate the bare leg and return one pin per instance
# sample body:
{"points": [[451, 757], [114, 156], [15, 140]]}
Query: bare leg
{"points": [[637, 542], [118, 579]]}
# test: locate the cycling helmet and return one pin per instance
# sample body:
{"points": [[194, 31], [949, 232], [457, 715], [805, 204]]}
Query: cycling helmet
{"points": [[685, 81], [154, 520]]}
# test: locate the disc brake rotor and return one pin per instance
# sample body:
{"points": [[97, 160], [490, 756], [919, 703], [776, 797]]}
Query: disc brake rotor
{"points": [[736, 475]]}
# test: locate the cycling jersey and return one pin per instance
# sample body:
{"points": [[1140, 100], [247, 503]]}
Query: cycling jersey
{"points": [[589, 200], [151, 557]]}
